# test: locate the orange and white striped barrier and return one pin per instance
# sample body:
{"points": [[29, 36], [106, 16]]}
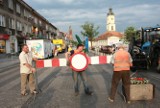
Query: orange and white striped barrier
{"points": [[55, 62]]}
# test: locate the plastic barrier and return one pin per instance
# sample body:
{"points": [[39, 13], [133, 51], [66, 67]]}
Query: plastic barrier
{"points": [[55, 62]]}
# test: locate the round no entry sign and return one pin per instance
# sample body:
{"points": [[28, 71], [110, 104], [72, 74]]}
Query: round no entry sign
{"points": [[79, 62]]}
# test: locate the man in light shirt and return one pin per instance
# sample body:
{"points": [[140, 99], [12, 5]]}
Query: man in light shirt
{"points": [[26, 71]]}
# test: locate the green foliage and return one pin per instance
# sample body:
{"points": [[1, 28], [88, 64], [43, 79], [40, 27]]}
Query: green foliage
{"points": [[129, 33], [89, 30], [74, 43], [32, 35]]}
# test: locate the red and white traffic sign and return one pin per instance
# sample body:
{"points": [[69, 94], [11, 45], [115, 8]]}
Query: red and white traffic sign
{"points": [[79, 62]]}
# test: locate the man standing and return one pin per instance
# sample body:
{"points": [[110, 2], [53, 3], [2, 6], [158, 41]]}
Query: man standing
{"points": [[75, 74], [122, 62], [26, 71]]}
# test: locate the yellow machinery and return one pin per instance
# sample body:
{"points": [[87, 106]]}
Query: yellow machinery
{"points": [[60, 43]]}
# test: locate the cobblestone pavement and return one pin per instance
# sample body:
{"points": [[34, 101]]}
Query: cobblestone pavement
{"points": [[56, 87], [6, 60]]}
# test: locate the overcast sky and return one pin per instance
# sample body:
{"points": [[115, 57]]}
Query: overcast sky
{"points": [[63, 13]]}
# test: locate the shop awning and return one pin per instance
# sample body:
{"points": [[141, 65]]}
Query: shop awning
{"points": [[4, 36]]}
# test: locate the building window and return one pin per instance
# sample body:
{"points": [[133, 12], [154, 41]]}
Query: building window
{"points": [[25, 13], [18, 10], [11, 23], [19, 26], [46, 27], [29, 29], [26, 28], [10, 4], [35, 20], [40, 22], [50, 29], [112, 28], [29, 15], [2, 21]]}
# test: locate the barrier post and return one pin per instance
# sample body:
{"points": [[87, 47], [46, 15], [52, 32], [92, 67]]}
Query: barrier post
{"points": [[36, 77]]}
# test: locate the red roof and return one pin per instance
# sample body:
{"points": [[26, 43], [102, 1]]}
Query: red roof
{"points": [[109, 34]]}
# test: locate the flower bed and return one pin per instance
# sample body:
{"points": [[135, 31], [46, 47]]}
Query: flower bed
{"points": [[139, 80]]}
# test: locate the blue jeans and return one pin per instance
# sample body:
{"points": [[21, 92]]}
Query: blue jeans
{"points": [[76, 81]]}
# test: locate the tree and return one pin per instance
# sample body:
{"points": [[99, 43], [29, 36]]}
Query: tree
{"points": [[130, 33], [89, 30], [74, 43]]}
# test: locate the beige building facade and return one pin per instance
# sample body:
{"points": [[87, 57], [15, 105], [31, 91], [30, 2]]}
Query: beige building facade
{"points": [[19, 22]]}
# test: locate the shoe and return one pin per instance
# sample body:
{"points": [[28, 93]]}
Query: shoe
{"points": [[124, 98], [76, 93], [90, 93], [128, 102], [111, 100], [24, 94], [34, 92]]}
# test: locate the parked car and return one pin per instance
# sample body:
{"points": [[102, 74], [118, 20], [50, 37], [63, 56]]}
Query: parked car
{"points": [[106, 49], [93, 48]]}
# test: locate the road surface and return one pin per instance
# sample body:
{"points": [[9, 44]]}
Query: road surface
{"points": [[56, 87]]}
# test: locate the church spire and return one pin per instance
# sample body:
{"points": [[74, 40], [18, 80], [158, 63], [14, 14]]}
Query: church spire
{"points": [[110, 25], [110, 12], [70, 33]]}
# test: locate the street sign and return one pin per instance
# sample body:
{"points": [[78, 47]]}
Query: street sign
{"points": [[79, 62]]}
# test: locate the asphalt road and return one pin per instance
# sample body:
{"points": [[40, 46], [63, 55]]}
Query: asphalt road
{"points": [[56, 87]]}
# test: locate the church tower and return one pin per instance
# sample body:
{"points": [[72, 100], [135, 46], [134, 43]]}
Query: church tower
{"points": [[111, 26], [70, 33]]}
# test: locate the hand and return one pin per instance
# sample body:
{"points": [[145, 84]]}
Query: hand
{"points": [[33, 70]]}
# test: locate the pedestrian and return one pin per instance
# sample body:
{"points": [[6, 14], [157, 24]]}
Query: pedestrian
{"points": [[75, 74], [55, 51], [70, 48], [26, 71], [122, 62]]}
